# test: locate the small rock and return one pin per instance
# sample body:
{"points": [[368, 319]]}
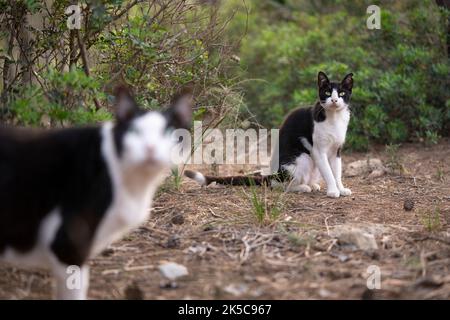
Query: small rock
{"points": [[408, 205], [324, 293], [236, 289], [376, 173], [351, 235], [134, 292], [173, 242], [342, 257], [178, 219], [362, 167], [199, 249], [172, 270]]}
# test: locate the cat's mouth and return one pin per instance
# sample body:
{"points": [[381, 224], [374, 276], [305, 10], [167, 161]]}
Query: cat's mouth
{"points": [[334, 106]]}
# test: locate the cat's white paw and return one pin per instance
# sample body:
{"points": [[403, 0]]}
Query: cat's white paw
{"points": [[304, 188], [315, 186], [333, 193], [299, 188], [345, 192]]}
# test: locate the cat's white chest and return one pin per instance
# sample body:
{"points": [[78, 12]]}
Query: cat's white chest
{"points": [[124, 214], [331, 132]]}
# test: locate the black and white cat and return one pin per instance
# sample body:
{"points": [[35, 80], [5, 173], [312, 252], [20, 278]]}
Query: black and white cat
{"points": [[66, 194], [321, 131], [310, 142]]}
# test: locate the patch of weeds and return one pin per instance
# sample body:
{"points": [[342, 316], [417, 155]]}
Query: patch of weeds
{"points": [[431, 137], [295, 239], [176, 178], [298, 241], [394, 161], [266, 205], [173, 182], [431, 219], [440, 174]]}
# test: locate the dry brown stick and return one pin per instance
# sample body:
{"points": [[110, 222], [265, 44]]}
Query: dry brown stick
{"points": [[443, 240], [6, 63], [72, 50]]}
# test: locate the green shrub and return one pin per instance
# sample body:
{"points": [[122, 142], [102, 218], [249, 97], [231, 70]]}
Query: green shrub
{"points": [[400, 71], [68, 100]]}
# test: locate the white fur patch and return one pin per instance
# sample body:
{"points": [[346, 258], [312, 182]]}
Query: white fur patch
{"points": [[328, 137], [200, 178], [305, 175], [147, 140]]}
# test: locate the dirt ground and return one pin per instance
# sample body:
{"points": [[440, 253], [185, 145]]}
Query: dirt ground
{"points": [[290, 253]]}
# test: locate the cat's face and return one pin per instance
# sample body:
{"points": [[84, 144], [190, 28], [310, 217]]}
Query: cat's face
{"points": [[335, 95], [144, 139]]}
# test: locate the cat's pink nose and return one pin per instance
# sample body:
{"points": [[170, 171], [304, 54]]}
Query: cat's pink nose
{"points": [[334, 100]]}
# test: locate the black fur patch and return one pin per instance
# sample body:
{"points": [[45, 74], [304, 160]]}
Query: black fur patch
{"points": [[298, 124], [41, 172], [338, 153], [319, 114], [118, 132]]}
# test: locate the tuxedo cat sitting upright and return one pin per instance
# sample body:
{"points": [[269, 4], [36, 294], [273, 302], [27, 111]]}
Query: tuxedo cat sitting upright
{"points": [[66, 194], [321, 131], [310, 143]]}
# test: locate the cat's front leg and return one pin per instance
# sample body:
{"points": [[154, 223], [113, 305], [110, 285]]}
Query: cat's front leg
{"points": [[72, 282], [315, 177], [321, 160], [336, 167]]}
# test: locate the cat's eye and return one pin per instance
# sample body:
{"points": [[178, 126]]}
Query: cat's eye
{"points": [[328, 93], [341, 94]]}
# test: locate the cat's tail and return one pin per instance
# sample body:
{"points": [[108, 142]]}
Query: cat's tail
{"points": [[243, 180]]}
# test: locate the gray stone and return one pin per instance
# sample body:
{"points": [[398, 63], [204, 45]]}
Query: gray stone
{"points": [[353, 235], [372, 167], [173, 271]]}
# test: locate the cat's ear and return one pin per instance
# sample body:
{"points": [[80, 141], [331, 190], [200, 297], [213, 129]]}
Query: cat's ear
{"points": [[347, 82], [322, 79], [125, 105], [179, 113]]}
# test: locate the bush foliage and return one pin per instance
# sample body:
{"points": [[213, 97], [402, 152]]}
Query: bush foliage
{"points": [[401, 71], [55, 76]]}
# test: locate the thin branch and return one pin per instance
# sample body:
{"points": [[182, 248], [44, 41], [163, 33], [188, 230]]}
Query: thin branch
{"points": [[86, 64]]}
